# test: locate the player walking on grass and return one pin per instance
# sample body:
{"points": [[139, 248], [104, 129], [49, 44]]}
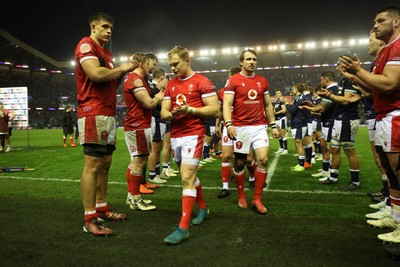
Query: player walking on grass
{"points": [[97, 81], [227, 147], [189, 99], [248, 94]]}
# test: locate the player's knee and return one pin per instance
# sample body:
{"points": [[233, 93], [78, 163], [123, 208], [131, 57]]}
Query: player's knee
{"points": [[262, 162]]}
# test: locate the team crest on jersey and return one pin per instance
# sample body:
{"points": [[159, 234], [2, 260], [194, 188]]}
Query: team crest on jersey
{"points": [[226, 139], [132, 148], [189, 150], [180, 99], [138, 82], [259, 85], [104, 135], [239, 145], [252, 94], [190, 89], [87, 109], [84, 48]]}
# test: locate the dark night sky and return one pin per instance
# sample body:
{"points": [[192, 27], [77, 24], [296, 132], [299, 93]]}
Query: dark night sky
{"points": [[55, 28]]}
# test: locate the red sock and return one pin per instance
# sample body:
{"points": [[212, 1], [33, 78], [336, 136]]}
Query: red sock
{"points": [[90, 215], [187, 208], [239, 178], [102, 209], [225, 171], [135, 184], [259, 183], [128, 180], [252, 168], [199, 198]]}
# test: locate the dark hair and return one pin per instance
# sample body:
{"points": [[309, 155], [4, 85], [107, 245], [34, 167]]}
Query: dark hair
{"points": [[301, 87], [318, 87], [393, 10], [158, 72], [241, 56], [234, 70], [330, 75], [140, 57], [152, 56], [101, 16]]}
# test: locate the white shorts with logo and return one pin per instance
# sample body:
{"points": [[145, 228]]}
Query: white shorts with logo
{"points": [[97, 129], [225, 140], [187, 149], [387, 132], [138, 142], [250, 137]]}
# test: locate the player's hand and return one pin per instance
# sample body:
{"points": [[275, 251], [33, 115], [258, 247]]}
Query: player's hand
{"points": [[231, 132], [275, 133]]}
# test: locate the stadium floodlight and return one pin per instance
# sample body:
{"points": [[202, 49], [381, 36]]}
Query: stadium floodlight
{"points": [[337, 43], [310, 45], [162, 55], [204, 52], [123, 59], [272, 47]]}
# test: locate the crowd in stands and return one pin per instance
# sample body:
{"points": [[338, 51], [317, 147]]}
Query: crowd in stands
{"points": [[52, 91]]}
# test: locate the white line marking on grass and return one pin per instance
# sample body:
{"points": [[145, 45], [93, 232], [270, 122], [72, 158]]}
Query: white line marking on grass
{"points": [[179, 186], [271, 170]]}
